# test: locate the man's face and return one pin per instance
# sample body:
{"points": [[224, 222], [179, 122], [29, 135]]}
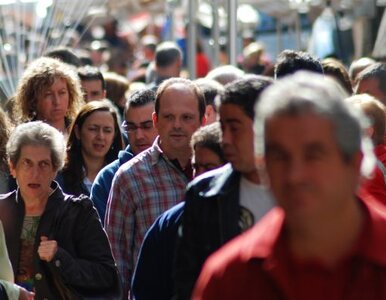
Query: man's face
{"points": [[237, 138], [308, 175], [371, 87], [93, 90], [178, 118], [139, 127]]}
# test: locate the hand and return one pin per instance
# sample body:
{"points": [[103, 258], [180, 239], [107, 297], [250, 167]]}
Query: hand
{"points": [[26, 295], [47, 249]]}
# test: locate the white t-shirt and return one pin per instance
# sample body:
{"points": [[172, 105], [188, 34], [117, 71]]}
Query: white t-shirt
{"points": [[255, 201]]}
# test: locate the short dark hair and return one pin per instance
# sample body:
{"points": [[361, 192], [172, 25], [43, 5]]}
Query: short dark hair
{"points": [[64, 54], [337, 70], [290, 61], [209, 136], [210, 88], [88, 73], [374, 71], [140, 98], [244, 92], [166, 54], [189, 84]]}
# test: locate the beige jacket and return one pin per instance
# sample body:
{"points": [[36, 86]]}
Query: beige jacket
{"points": [[6, 273]]}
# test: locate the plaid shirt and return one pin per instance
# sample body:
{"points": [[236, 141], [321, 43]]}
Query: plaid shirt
{"points": [[142, 189]]}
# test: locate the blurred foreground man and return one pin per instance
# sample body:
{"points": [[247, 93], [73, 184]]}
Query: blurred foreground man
{"points": [[322, 242]]}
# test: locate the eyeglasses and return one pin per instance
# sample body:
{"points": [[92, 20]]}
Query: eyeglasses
{"points": [[131, 127]]}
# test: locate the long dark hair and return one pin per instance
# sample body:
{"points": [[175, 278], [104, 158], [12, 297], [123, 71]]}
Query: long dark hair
{"points": [[73, 169]]}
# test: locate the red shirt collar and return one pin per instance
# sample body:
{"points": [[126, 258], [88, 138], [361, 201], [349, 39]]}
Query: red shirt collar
{"points": [[371, 243]]}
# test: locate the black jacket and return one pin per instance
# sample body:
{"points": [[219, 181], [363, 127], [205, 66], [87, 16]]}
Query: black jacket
{"points": [[83, 263], [210, 219]]}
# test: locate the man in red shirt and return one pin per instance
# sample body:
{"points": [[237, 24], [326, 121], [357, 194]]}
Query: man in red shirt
{"points": [[322, 242]]}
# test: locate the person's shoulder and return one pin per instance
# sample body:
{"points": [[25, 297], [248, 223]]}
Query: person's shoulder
{"points": [[111, 168], [141, 161], [124, 156], [81, 201], [171, 216], [212, 180]]}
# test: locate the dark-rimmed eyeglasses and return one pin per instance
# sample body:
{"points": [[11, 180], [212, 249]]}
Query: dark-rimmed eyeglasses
{"points": [[131, 127]]}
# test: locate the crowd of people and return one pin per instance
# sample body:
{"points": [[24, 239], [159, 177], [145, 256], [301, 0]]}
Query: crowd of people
{"points": [[255, 181]]}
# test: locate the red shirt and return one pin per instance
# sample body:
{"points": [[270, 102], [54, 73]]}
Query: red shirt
{"points": [[202, 65], [257, 265], [380, 153], [374, 186]]}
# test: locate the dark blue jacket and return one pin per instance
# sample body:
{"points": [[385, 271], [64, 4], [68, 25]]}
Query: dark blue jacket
{"points": [[211, 218], [102, 183], [152, 278]]}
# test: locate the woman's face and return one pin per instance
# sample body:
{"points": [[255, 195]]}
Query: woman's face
{"points": [[34, 172], [52, 105], [96, 134]]}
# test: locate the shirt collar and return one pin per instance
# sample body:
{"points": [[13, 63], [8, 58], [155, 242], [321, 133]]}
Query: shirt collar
{"points": [[371, 243], [380, 150], [155, 151]]}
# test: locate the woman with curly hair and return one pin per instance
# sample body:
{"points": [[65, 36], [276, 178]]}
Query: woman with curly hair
{"points": [[50, 91], [94, 141]]}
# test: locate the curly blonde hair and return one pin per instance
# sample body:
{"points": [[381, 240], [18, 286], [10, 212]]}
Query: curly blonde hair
{"points": [[37, 78]]}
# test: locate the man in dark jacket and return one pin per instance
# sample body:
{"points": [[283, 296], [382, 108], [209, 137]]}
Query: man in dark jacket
{"points": [[223, 203]]}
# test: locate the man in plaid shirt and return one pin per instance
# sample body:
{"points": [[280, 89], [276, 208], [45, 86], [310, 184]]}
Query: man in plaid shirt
{"points": [[154, 180]]}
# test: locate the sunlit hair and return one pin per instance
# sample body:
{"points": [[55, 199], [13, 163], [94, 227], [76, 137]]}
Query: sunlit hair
{"points": [[244, 93], [375, 111], [209, 137], [225, 74], [139, 98], [116, 86], [73, 170], [305, 93], [190, 85], [37, 133], [37, 78], [359, 65], [374, 71], [334, 68], [290, 61]]}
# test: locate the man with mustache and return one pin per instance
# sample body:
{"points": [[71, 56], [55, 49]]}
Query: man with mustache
{"points": [[155, 179]]}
